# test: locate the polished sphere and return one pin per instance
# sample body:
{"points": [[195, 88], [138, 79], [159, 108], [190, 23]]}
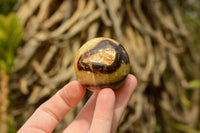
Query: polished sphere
{"points": [[101, 63]]}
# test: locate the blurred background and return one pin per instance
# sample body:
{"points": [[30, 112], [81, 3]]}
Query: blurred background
{"points": [[39, 40]]}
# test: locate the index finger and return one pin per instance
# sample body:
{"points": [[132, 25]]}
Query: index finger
{"points": [[50, 113]]}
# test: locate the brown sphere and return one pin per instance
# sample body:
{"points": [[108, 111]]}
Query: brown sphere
{"points": [[101, 63]]}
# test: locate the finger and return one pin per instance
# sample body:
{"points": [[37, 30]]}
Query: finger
{"points": [[123, 95], [50, 113], [83, 120], [103, 113]]}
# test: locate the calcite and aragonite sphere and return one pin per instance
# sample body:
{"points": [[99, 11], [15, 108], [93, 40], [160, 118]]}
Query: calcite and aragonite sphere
{"points": [[101, 63]]}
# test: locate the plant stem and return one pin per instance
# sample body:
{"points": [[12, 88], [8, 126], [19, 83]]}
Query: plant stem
{"points": [[4, 101]]}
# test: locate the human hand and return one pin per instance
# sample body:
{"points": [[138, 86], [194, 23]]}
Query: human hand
{"points": [[101, 113]]}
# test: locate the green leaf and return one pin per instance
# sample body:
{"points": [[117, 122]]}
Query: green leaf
{"points": [[3, 66], [194, 84], [11, 33]]}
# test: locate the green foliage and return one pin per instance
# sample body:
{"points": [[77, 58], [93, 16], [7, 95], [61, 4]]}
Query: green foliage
{"points": [[158, 129], [185, 128], [194, 84], [191, 17], [11, 127], [11, 32], [6, 6]]}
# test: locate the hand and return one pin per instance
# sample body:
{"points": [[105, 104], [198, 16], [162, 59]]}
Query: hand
{"points": [[101, 113]]}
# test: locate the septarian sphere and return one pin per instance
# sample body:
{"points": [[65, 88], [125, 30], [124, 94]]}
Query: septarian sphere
{"points": [[101, 63]]}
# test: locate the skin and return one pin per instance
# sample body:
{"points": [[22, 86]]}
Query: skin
{"points": [[95, 116]]}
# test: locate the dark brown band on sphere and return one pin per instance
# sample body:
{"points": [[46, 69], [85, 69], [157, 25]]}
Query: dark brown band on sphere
{"points": [[95, 67], [109, 85]]}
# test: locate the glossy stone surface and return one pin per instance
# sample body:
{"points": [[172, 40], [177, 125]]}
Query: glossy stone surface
{"points": [[101, 63]]}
